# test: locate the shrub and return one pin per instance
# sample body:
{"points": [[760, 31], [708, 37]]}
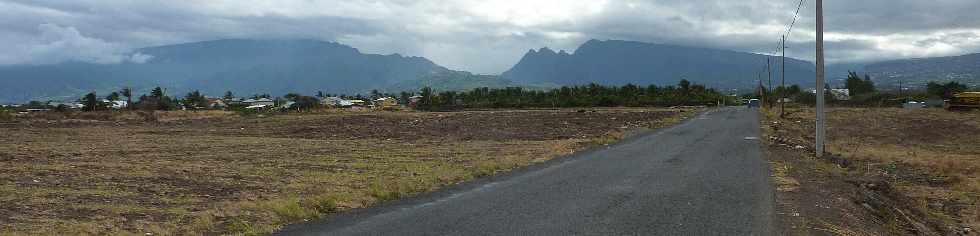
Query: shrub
{"points": [[383, 191], [290, 210], [5, 116], [324, 204]]}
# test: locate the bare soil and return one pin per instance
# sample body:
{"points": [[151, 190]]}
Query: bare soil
{"points": [[887, 172], [218, 173]]}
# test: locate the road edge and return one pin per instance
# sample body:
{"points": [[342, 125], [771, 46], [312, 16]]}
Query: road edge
{"points": [[350, 217]]}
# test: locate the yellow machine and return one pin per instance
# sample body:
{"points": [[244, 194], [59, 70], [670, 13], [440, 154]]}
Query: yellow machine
{"points": [[388, 102], [963, 101]]}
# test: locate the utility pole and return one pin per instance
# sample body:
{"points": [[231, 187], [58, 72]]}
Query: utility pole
{"points": [[769, 70], [782, 92], [821, 132], [900, 92], [762, 89]]}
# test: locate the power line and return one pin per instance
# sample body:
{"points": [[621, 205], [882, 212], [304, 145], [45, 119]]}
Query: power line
{"points": [[795, 17], [781, 43]]}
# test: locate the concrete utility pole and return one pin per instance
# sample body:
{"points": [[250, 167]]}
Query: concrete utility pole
{"points": [[769, 70], [821, 132], [782, 93]]}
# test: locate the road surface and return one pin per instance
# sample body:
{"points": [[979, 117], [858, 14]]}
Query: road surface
{"points": [[703, 177]]}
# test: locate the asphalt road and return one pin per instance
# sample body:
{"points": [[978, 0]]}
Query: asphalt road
{"points": [[703, 177]]}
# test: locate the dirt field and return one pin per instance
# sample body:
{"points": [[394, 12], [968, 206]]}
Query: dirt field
{"points": [[891, 172], [218, 173]]}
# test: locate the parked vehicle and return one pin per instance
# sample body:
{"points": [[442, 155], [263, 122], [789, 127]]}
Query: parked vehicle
{"points": [[754, 103]]}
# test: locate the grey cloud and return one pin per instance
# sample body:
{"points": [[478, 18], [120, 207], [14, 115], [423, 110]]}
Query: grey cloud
{"points": [[949, 39], [488, 36], [139, 58], [58, 44], [889, 16]]}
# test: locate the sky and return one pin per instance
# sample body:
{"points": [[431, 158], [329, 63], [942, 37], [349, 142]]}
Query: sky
{"points": [[485, 36]]}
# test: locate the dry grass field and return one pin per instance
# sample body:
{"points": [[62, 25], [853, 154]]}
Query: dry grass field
{"points": [[211, 173], [907, 171]]}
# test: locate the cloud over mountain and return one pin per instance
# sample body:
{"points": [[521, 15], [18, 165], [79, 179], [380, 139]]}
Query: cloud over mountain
{"points": [[487, 36]]}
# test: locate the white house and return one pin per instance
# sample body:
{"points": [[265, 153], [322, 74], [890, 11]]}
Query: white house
{"points": [[331, 101], [116, 104], [216, 103], [386, 102], [414, 99], [259, 102], [841, 94], [357, 102], [345, 103]]}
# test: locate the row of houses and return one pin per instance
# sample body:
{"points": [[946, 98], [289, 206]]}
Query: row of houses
{"points": [[338, 102], [251, 103], [380, 102], [838, 94], [78, 105]]}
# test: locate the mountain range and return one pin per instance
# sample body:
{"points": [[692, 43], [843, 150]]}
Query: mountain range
{"points": [[278, 67], [245, 67], [917, 72], [617, 62]]}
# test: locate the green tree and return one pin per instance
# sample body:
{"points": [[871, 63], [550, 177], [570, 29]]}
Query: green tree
{"points": [[229, 95], [405, 96], [945, 91], [91, 102], [857, 86], [793, 90], [292, 96], [37, 105], [157, 93], [869, 86], [570, 96], [428, 99], [114, 96], [157, 100], [195, 100], [128, 93], [685, 87], [305, 103]]}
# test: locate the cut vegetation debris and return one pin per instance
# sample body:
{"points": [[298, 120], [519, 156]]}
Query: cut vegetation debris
{"points": [[218, 173], [889, 171]]}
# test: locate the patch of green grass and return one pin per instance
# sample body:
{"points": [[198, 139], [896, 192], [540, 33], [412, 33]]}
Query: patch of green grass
{"points": [[383, 191], [290, 210], [293, 209], [491, 167], [324, 204], [239, 226]]}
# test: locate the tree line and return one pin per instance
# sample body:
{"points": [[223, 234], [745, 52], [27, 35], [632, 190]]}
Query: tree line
{"points": [[592, 95], [863, 92]]}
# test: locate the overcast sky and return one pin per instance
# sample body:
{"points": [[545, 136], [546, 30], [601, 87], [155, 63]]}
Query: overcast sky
{"points": [[484, 36]]}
